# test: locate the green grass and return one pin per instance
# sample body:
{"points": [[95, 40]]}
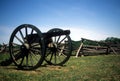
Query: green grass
{"points": [[89, 68]]}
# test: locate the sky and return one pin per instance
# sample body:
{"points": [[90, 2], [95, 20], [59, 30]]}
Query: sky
{"points": [[91, 19]]}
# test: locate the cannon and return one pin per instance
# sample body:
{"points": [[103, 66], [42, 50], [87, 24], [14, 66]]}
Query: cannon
{"points": [[29, 47]]}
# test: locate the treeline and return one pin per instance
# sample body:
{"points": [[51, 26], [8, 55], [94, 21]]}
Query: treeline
{"points": [[112, 40]]}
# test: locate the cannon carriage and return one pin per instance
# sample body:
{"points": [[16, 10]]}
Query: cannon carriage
{"points": [[29, 47]]}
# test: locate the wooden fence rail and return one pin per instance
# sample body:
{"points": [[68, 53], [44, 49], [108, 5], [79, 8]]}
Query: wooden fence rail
{"points": [[3, 48], [106, 48]]}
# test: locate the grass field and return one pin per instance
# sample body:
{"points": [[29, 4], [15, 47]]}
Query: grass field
{"points": [[89, 68]]}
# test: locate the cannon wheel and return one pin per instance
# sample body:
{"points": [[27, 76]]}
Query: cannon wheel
{"points": [[59, 50], [26, 53]]}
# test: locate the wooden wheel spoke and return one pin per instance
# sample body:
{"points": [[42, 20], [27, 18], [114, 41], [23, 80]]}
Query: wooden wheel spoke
{"points": [[34, 39], [62, 40], [61, 49], [34, 45], [17, 55], [55, 59], [61, 53], [58, 58], [58, 39], [55, 39], [16, 50], [49, 53], [15, 44], [31, 60], [34, 55], [22, 35], [35, 50], [19, 39], [51, 57], [32, 31], [21, 61], [26, 31], [27, 60]]}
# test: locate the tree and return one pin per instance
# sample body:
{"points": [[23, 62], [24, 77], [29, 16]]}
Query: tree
{"points": [[112, 40]]}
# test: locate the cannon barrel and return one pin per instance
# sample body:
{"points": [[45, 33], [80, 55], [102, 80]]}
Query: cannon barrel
{"points": [[56, 33], [47, 35]]}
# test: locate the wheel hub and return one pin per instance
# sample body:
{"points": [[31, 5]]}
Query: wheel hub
{"points": [[25, 48], [54, 48]]}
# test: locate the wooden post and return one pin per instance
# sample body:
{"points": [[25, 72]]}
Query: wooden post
{"points": [[81, 45], [3, 48], [113, 50]]}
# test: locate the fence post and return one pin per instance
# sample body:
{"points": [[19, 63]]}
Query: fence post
{"points": [[80, 47]]}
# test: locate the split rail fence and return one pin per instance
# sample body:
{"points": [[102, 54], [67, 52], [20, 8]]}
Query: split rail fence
{"points": [[99, 48], [4, 48]]}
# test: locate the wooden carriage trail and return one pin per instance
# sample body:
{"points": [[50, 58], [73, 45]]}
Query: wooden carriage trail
{"points": [[99, 48]]}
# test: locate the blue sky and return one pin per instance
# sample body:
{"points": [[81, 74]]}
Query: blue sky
{"points": [[92, 19]]}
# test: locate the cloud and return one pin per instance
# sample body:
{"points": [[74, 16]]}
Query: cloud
{"points": [[78, 33]]}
